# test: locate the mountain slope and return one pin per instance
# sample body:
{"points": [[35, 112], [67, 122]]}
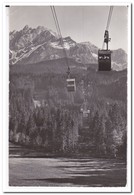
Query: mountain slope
{"points": [[29, 46]]}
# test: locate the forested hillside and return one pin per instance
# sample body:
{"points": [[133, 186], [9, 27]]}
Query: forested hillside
{"points": [[44, 115]]}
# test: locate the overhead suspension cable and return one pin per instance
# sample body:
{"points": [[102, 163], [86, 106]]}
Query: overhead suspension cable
{"points": [[55, 20], [59, 33], [108, 21], [109, 17]]}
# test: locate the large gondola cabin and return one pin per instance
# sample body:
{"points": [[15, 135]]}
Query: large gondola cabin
{"points": [[104, 60]]}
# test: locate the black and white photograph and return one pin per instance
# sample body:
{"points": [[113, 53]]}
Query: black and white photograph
{"points": [[68, 96]]}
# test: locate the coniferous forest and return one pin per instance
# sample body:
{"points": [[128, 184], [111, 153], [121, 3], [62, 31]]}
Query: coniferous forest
{"points": [[43, 115]]}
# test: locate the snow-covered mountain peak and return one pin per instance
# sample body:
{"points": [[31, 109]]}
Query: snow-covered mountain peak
{"points": [[34, 45]]}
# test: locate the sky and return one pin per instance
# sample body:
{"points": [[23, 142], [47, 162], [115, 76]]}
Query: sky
{"points": [[81, 23]]}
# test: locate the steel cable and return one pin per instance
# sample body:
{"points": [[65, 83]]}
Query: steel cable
{"points": [[108, 21], [60, 34]]}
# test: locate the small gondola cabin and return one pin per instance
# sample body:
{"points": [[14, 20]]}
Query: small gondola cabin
{"points": [[104, 60], [71, 86]]}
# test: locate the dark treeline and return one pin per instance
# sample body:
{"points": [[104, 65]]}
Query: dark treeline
{"points": [[108, 130], [61, 128], [55, 129]]}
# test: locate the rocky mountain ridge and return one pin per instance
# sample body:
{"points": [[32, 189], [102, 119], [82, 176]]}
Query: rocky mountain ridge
{"points": [[34, 45]]}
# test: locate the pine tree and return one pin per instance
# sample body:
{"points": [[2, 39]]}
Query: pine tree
{"points": [[31, 130]]}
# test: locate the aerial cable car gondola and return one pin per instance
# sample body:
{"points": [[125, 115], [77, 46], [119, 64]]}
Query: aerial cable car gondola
{"points": [[71, 86], [104, 55]]}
